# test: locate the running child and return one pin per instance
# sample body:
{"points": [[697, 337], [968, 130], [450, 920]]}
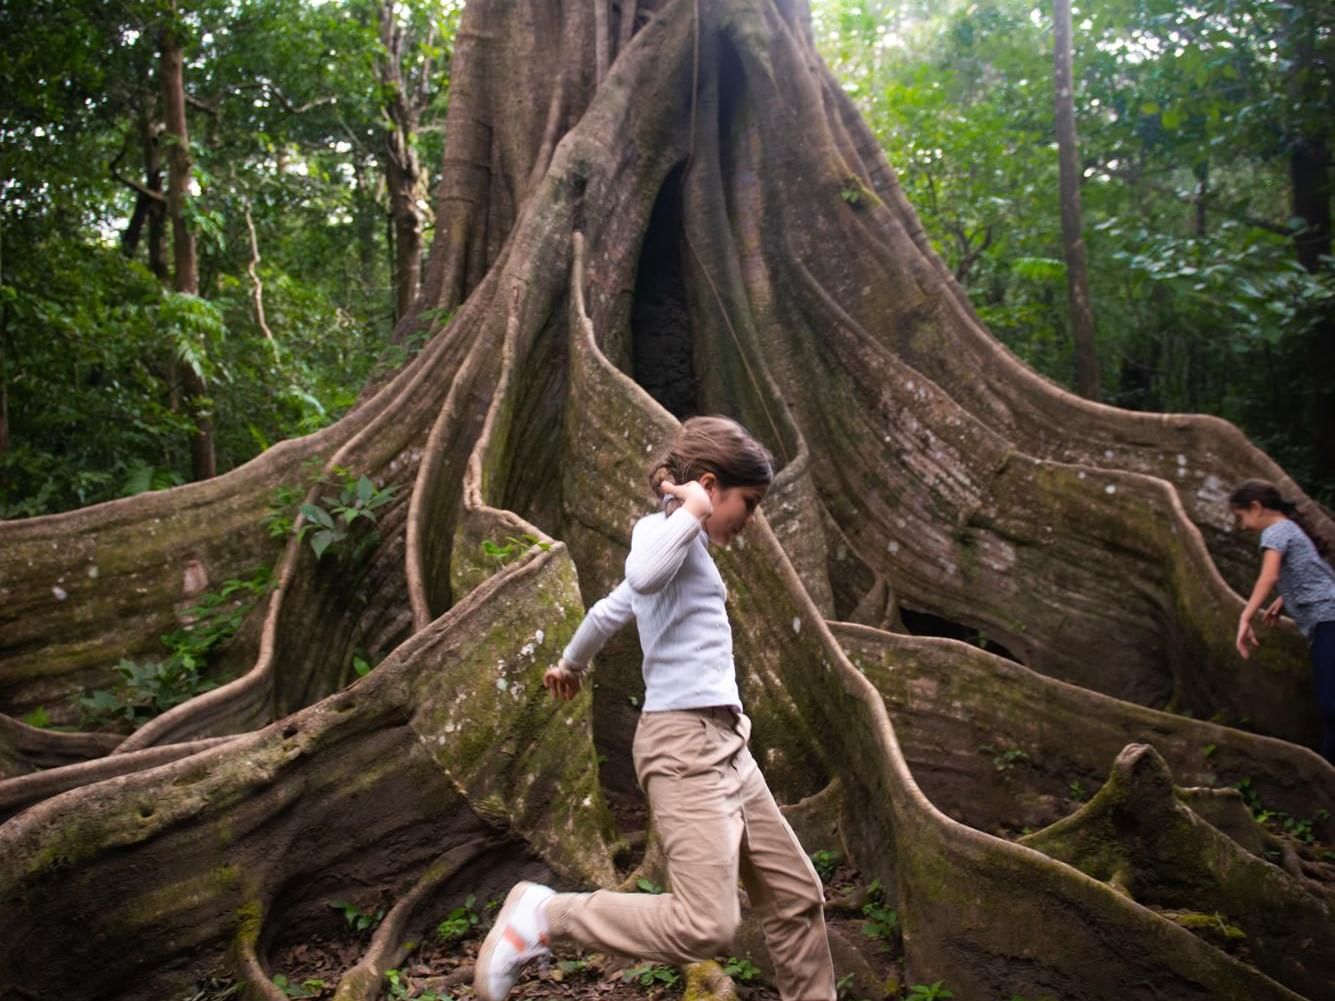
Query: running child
{"points": [[713, 811]]}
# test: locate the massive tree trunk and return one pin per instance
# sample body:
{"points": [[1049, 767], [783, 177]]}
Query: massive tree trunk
{"points": [[922, 467]]}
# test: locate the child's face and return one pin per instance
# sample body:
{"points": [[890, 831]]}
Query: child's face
{"points": [[1249, 518], [733, 507]]}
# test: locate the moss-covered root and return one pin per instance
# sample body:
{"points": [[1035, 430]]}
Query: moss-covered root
{"points": [[1135, 835], [708, 982]]}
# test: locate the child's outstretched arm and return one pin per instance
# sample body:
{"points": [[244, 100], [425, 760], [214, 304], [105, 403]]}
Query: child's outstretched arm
{"points": [[1265, 583], [602, 620]]}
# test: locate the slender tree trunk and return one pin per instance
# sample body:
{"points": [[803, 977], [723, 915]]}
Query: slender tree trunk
{"points": [[403, 170], [365, 214], [1200, 222], [1073, 243], [157, 209], [4, 381], [403, 176], [1310, 191], [185, 263]]}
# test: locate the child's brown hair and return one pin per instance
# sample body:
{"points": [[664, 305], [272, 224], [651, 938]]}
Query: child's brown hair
{"points": [[717, 445], [1266, 494]]}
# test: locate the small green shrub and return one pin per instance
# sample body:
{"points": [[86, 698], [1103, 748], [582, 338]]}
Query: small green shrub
{"points": [[358, 920], [511, 547], [147, 690], [461, 922], [344, 519], [929, 992], [741, 970], [825, 863], [651, 975]]}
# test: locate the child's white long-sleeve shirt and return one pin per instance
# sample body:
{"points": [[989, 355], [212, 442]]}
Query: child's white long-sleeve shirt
{"points": [[676, 595]]}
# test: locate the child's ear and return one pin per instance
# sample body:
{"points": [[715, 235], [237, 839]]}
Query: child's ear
{"points": [[709, 481]]}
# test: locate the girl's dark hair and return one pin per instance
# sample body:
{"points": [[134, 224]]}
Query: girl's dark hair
{"points": [[1266, 494], [717, 445]]}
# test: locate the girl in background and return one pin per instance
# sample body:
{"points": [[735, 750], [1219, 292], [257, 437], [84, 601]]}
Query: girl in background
{"points": [[1291, 561]]}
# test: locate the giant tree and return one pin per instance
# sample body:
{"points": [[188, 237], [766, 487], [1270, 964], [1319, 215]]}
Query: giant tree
{"points": [[649, 210]]}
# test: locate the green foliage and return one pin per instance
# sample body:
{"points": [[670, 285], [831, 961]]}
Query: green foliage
{"points": [[399, 990], [929, 992], [92, 345], [741, 970], [851, 189], [1188, 117], [645, 885], [651, 975], [38, 718], [308, 988], [1302, 828], [461, 922], [358, 920], [826, 862], [1007, 759], [881, 922], [280, 522], [512, 547], [1076, 791], [149, 689], [333, 523]]}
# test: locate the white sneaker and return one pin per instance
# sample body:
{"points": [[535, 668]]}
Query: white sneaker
{"points": [[519, 935]]}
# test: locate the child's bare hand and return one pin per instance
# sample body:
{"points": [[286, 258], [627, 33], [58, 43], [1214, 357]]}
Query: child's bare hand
{"points": [[692, 495], [563, 681], [1246, 640], [1272, 613]]}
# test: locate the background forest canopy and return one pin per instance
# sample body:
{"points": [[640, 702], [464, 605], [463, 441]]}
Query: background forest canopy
{"points": [[314, 142]]}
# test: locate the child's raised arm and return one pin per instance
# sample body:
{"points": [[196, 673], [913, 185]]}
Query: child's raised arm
{"points": [[658, 548]]}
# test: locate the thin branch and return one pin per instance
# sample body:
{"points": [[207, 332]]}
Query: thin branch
{"points": [[1210, 198], [257, 289], [202, 105], [116, 175]]}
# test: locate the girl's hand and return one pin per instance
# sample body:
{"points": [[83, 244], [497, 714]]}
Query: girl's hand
{"points": [[563, 681], [692, 495], [1272, 613], [1246, 640]]}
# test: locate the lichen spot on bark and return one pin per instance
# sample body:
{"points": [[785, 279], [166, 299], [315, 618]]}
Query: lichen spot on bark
{"points": [[194, 578]]}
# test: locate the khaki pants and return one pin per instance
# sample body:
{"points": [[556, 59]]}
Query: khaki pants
{"points": [[717, 820]]}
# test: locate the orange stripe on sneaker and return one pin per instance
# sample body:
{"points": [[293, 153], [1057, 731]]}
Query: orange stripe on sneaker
{"points": [[515, 939]]}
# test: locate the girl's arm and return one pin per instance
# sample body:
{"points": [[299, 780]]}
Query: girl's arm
{"points": [[1272, 613], [602, 620], [1265, 583], [658, 548], [600, 623]]}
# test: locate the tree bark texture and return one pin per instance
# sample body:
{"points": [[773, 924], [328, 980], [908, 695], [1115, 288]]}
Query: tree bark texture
{"points": [[1073, 241], [185, 263], [923, 468], [404, 177]]}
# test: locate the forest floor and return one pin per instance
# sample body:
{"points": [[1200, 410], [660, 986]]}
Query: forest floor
{"points": [[441, 968], [864, 935]]}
